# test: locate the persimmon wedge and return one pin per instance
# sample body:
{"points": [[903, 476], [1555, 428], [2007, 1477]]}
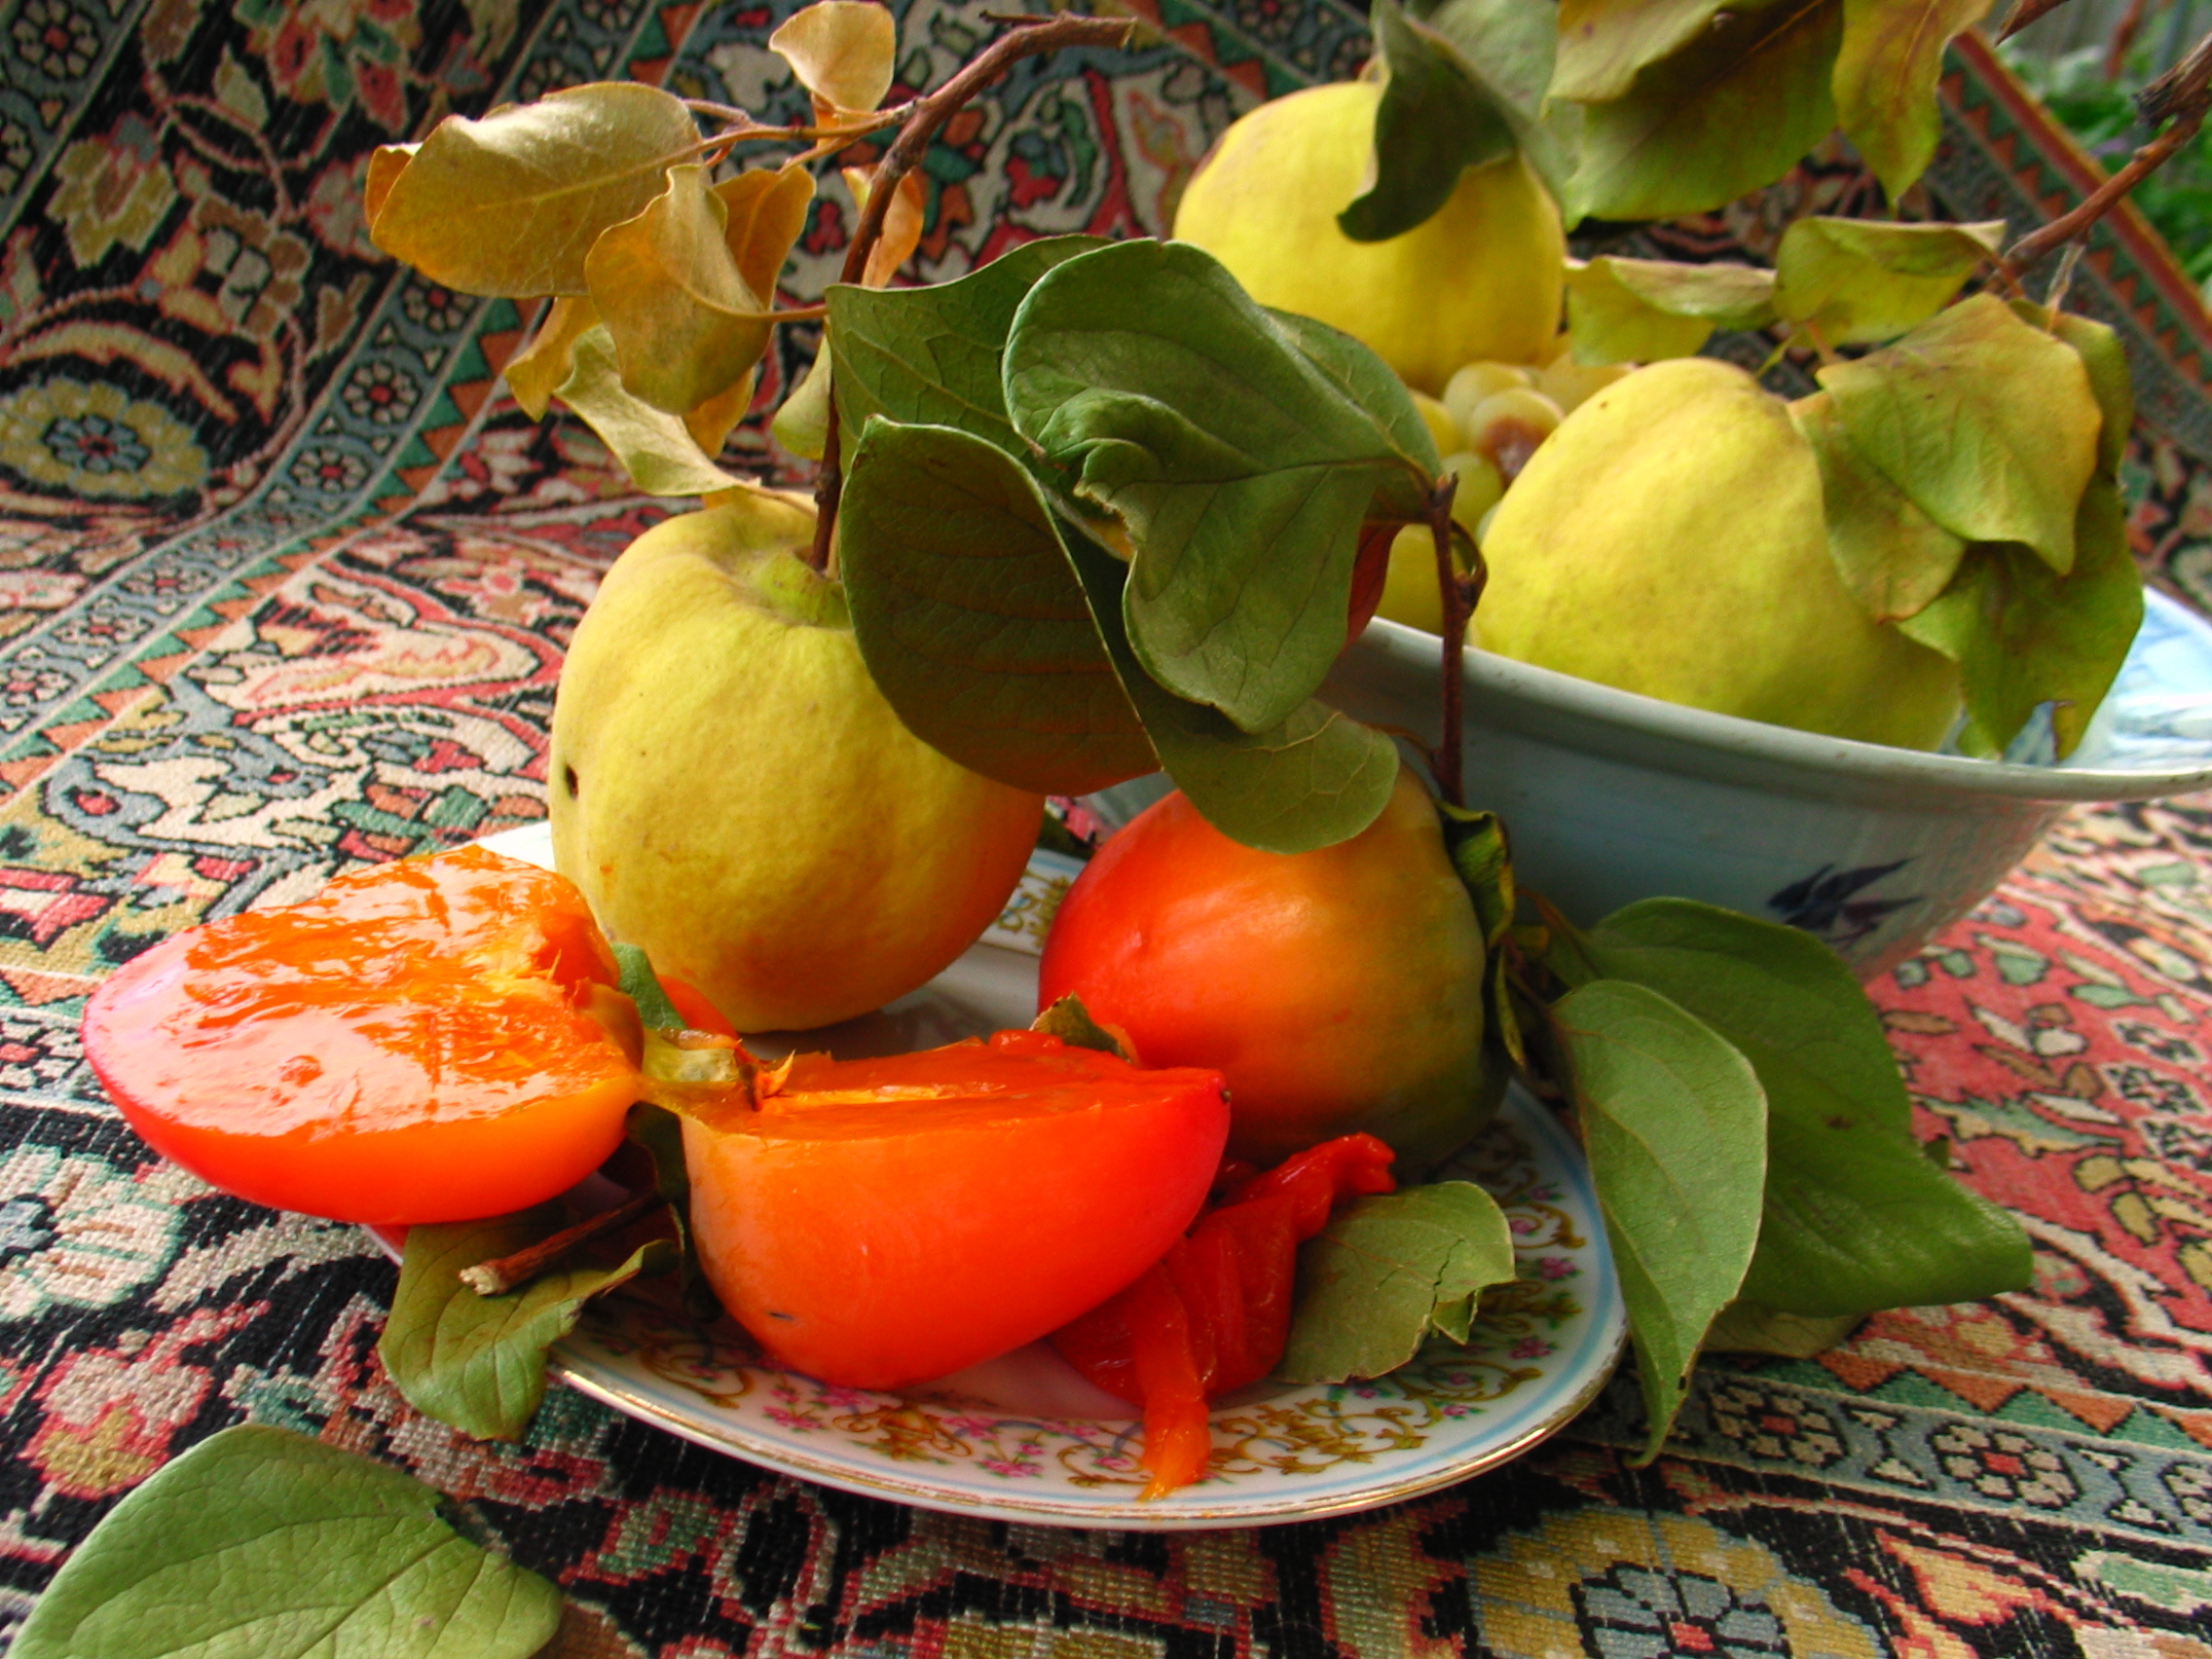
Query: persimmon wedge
{"points": [[877, 1223], [432, 1040]]}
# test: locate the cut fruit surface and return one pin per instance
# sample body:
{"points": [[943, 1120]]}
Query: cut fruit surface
{"points": [[877, 1223], [416, 1043]]}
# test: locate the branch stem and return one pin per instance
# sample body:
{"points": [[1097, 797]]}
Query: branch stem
{"points": [[2183, 94], [1025, 37], [503, 1274]]}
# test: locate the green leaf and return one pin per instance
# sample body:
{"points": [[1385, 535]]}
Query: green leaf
{"points": [[1071, 1022], [1855, 281], [1481, 854], [656, 448], [801, 422], [2023, 635], [685, 325], [1387, 1270], [1640, 311], [1746, 1328], [1435, 119], [1319, 778], [259, 1544], [932, 357], [1759, 982], [510, 203], [1732, 110], [641, 986], [1674, 1124], [657, 1133], [1886, 72], [478, 1362], [1368, 380], [1602, 44], [969, 619], [1986, 423], [1511, 47], [1464, 88], [652, 1132], [1893, 557], [1242, 469], [2110, 383], [1855, 1216]]}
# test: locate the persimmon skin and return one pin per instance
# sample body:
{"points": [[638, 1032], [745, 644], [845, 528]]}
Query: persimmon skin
{"points": [[412, 1045], [1001, 1189], [1339, 991]]}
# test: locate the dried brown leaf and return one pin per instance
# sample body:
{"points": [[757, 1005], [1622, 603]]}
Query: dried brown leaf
{"points": [[685, 324]]}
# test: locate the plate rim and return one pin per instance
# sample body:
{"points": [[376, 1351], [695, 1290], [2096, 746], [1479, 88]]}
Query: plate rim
{"points": [[1601, 1354]]}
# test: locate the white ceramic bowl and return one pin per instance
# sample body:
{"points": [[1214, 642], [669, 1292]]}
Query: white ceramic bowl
{"points": [[1610, 796]]}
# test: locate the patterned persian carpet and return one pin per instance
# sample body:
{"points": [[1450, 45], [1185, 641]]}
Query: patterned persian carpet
{"points": [[285, 584]]}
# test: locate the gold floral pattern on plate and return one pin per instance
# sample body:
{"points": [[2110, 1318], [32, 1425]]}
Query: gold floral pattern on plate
{"points": [[1542, 1348]]}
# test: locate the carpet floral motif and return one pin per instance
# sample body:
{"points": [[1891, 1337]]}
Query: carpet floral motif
{"points": [[285, 584]]}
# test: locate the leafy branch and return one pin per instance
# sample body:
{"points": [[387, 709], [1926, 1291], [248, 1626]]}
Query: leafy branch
{"points": [[1025, 37], [2180, 98]]}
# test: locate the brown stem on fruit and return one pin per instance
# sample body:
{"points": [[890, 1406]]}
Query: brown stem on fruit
{"points": [[1458, 599], [1027, 36], [2182, 96], [503, 1274]]}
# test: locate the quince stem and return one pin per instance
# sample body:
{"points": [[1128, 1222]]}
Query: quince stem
{"points": [[1025, 37]]}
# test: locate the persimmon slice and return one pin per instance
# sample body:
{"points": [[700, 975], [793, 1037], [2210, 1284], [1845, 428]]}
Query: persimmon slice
{"points": [[415, 1044], [877, 1223]]}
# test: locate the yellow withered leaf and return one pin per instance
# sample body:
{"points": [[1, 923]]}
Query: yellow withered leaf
{"points": [[712, 423], [1858, 281], [1985, 423], [387, 162], [511, 203], [841, 51], [656, 448], [1639, 310], [536, 371], [767, 211], [684, 323], [902, 224]]}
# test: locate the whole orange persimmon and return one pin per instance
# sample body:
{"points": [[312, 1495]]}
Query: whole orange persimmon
{"points": [[1339, 991]]}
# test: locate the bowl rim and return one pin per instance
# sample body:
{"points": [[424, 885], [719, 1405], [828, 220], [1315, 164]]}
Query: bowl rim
{"points": [[1492, 678]]}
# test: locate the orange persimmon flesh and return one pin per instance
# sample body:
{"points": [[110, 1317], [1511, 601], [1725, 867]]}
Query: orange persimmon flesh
{"points": [[415, 1044], [877, 1223]]}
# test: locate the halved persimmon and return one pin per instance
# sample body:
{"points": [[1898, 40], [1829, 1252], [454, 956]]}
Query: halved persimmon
{"points": [[418, 1043], [874, 1223]]}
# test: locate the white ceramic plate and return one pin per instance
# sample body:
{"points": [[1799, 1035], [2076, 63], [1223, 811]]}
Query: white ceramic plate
{"points": [[1026, 1438]]}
